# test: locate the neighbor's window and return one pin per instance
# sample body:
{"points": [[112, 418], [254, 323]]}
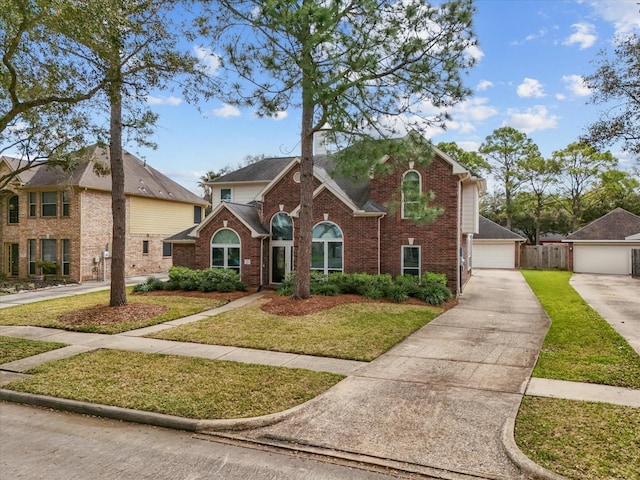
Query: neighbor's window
{"points": [[411, 188], [411, 260], [167, 249], [225, 194], [31, 245], [49, 206], [145, 246], [33, 206], [326, 248], [66, 264], [65, 204], [13, 213], [225, 250]]}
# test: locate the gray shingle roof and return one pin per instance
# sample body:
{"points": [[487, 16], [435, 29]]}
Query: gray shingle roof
{"points": [[489, 230], [140, 178], [248, 213], [615, 225], [263, 170], [15, 164]]}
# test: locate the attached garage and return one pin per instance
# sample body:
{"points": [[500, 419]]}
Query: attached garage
{"points": [[495, 247], [604, 245]]}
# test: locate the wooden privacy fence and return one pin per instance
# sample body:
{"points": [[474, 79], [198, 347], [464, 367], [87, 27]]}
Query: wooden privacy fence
{"points": [[635, 262], [545, 257]]}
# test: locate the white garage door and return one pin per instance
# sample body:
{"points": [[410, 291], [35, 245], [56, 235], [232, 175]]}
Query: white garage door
{"points": [[486, 255], [605, 259]]}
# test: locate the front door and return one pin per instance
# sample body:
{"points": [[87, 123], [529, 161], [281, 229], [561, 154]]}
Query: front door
{"points": [[12, 252], [281, 255]]}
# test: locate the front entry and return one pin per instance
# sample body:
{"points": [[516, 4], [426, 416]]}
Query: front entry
{"points": [[281, 256], [12, 256]]}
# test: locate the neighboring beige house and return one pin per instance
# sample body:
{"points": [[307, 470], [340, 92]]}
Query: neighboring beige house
{"points": [[65, 218]]}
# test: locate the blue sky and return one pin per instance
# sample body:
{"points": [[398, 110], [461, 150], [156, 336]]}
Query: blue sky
{"points": [[531, 55]]}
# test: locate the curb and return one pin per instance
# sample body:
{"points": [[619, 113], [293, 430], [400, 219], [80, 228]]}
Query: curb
{"points": [[116, 413], [528, 467]]}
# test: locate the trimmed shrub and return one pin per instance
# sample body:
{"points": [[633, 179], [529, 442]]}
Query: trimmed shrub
{"points": [[434, 294], [397, 293]]}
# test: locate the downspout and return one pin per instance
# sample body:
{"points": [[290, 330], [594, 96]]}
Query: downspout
{"points": [[379, 241], [261, 261], [458, 235]]}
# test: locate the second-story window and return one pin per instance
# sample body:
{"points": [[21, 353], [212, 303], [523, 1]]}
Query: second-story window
{"points": [[33, 204], [65, 204], [49, 204], [411, 188], [225, 194], [13, 215]]}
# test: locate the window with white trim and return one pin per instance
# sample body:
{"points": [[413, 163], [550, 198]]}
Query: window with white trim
{"points": [[411, 260], [281, 227], [225, 250], [13, 210], [326, 248], [225, 194], [411, 189]]}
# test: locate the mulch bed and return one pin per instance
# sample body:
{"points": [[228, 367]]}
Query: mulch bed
{"points": [[106, 315]]}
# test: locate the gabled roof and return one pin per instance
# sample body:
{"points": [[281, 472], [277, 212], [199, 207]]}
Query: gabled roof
{"points": [[489, 230], [246, 213], [15, 164], [618, 224], [263, 170], [140, 179]]}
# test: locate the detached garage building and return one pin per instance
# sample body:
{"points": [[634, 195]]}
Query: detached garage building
{"points": [[604, 245], [495, 246]]}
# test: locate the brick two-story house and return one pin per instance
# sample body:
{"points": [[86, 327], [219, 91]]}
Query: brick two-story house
{"points": [[65, 218], [252, 227]]}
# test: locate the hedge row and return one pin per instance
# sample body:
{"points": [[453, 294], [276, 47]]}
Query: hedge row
{"points": [[430, 288], [207, 280]]}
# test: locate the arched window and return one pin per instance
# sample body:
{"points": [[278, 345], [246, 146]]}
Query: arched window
{"points": [[13, 214], [326, 249], [411, 189], [281, 227], [225, 250]]}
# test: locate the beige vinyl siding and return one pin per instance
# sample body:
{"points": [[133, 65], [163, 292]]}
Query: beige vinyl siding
{"points": [[160, 217], [470, 201], [240, 193]]}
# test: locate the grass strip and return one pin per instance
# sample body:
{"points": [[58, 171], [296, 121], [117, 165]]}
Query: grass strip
{"points": [[175, 385], [12, 349], [45, 313], [580, 346], [580, 440], [357, 331]]}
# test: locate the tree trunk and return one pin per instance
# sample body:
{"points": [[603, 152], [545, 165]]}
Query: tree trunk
{"points": [[118, 200]]}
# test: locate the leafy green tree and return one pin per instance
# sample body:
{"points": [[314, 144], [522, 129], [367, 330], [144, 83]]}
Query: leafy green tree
{"points": [[42, 85], [540, 175], [615, 85], [506, 150], [205, 185], [615, 188], [133, 48], [581, 166], [473, 160], [353, 67]]}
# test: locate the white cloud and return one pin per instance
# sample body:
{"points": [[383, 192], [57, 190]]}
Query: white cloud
{"points": [[575, 84], [226, 111], [474, 52], [173, 101], [623, 15], [210, 61], [561, 96], [281, 115], [483, 85], [530, 87], [536, 118], [583, 36]]}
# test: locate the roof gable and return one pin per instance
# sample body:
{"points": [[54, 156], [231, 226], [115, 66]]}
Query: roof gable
{"points": [[492, 231], [246, 213], [618, 224], [140, 178]]}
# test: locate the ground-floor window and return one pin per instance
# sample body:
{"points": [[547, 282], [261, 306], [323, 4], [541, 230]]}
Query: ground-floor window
{"points": [[32, 258], [167, 249], [411, 260], [326, 249], [48, 253], [66, 264], [225, 250]]}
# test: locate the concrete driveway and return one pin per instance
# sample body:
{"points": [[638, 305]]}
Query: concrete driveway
{"points": [[616, 298]]}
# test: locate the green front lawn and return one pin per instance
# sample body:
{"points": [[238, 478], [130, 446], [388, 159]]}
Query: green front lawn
{"points": [[357, 331], [12, 349], [174, 385], [45, 313], [580, 346]]}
